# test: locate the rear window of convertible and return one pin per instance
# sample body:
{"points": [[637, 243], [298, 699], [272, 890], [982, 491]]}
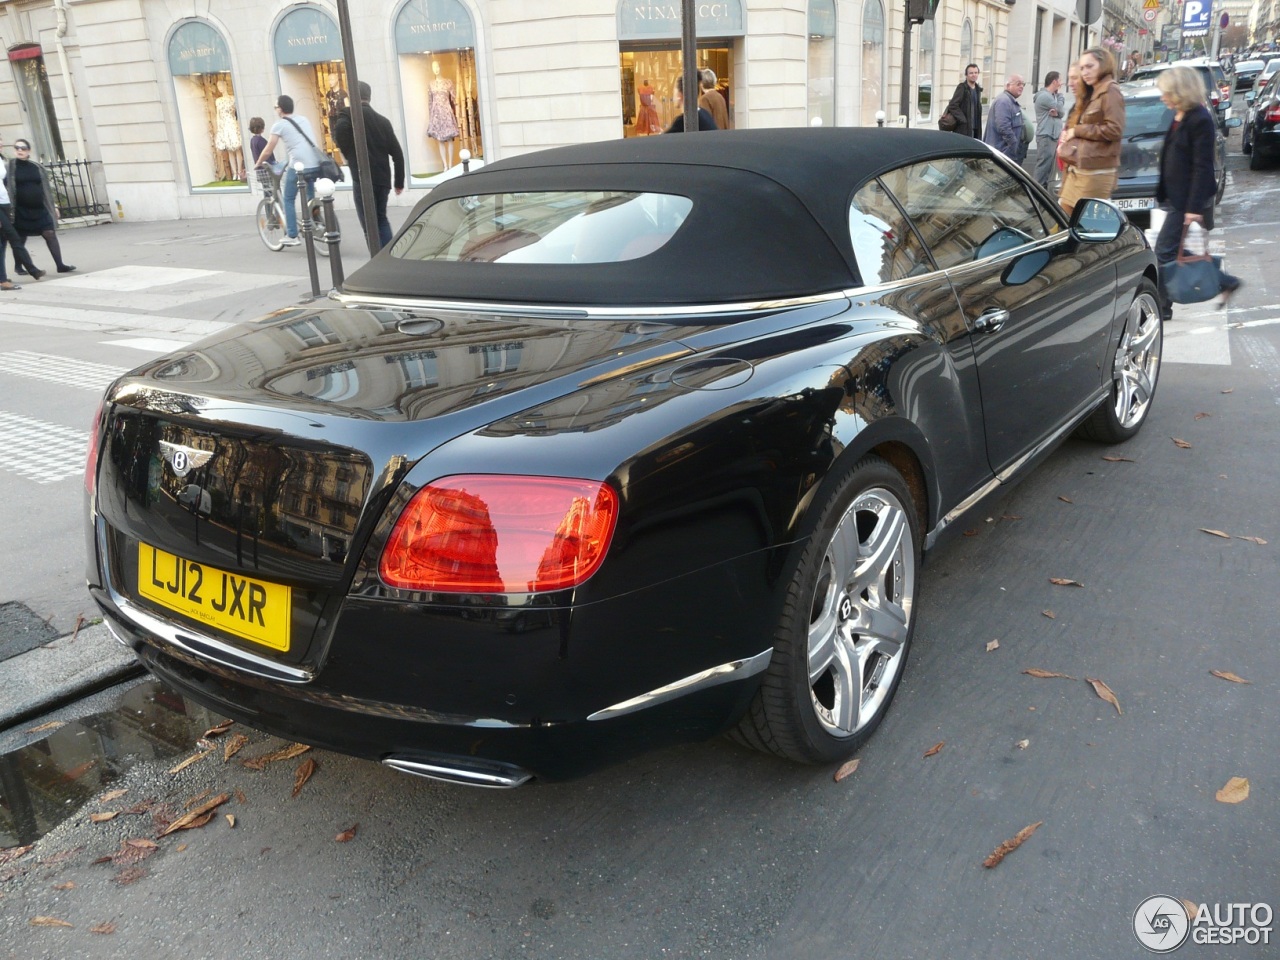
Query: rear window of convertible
{"points": [[560, 227]]}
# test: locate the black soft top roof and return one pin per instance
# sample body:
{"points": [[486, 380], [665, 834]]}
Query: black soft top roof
{"points": [[769, 217]]}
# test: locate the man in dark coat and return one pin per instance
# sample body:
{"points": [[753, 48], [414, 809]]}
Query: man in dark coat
{"points": [[384, 152], [965, 108]]}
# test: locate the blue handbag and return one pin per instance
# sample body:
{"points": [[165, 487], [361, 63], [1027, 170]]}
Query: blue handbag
{"points": [[1192, 278]]}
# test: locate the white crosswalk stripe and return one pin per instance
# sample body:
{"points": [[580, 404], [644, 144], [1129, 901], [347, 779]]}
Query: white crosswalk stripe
{"points": [[41, 451], [63, 370]]}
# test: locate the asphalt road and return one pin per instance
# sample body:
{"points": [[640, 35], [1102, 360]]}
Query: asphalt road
{"points": [[712, 851]]}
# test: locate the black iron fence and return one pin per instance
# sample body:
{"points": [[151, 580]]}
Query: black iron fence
{"points": [[73, 187]]}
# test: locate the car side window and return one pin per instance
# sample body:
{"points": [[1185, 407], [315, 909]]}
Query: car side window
{"points": [[884, 244], [967, 209]]}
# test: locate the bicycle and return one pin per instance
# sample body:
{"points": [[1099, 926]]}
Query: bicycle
{"points": [[270, 216]]}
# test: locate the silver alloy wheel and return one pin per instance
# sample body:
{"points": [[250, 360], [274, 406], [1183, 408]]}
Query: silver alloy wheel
{"points": [[1137, 363], [860, 620]]}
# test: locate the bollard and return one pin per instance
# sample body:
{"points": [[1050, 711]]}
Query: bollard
{"points": [[879, 118], [332, 235], [465, 156], [305, 228]]}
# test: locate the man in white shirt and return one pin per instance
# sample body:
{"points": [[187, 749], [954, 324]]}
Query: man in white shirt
{"points": [[300, 140]]}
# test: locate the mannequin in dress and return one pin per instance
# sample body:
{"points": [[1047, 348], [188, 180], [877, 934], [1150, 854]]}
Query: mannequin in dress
{"points": [[442, 120], [226, 137], [647, 119]]}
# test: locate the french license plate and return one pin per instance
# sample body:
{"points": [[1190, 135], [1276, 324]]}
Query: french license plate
{"points": [[245, 607], [1135, 203]]}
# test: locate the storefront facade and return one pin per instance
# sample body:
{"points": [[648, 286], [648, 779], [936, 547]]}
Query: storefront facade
{"points": [[167, 89]]}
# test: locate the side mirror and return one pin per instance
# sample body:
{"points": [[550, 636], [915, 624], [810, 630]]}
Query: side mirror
{"points": [[1096, 221], [1234, 122]]}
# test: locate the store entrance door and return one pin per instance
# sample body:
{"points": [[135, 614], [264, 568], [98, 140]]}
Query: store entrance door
{"points": [[649, 75]]}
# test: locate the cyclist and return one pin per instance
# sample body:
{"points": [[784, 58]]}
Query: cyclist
{"points": [[299, 140]]}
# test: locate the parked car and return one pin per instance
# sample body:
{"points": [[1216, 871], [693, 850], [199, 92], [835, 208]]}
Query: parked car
{"points": [[1261, 136], [545, 486], [1261, 80], [1216, 84], [1146, 123], [1246, 72]]}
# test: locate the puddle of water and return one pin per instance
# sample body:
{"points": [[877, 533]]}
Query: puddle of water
{"points": [[46, 782]]}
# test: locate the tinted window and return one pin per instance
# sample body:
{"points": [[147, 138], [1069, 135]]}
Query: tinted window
{"points": [[1145, 117], [883, 242], [967, 209], [588, 226]]}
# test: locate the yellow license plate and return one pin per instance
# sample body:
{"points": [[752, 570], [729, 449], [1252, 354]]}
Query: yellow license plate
{"points": [[251, 609]]}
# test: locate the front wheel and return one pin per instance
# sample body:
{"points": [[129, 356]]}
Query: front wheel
{"points": [[1135, 371], [841, 641], [271, 223]]}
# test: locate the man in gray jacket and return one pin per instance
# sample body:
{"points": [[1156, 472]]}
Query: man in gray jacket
{"points": [[1050, 109], [1005, 125]]}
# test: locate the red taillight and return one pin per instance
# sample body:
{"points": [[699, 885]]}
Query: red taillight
{"points": [[499, 534], [91, 457], [1272, 115]]}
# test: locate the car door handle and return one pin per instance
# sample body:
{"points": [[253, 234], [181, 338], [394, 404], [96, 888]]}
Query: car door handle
{"points": [[991, 320]]}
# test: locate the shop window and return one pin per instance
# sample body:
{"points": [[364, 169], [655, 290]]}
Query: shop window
{"points": [[822, 61], [649, 85], [204, 92], [33, 89], [436, 48], [872, 60], [308, 49], [924, 72]]}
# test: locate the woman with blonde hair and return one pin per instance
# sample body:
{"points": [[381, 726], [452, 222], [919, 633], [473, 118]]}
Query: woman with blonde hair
{"points": [[1188, 182], [1091, 146]]}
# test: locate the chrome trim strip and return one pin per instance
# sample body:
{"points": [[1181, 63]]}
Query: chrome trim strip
{"points": [[711, 677], [964, 505], [460, 775]]}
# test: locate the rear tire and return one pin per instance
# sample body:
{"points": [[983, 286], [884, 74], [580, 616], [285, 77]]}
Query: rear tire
{"points": [[1135, 372], [271, 223], [841, 642]]}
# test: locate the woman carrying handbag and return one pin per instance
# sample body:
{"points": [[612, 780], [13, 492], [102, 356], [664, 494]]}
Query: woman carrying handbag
{"points": [[1187, 185]]}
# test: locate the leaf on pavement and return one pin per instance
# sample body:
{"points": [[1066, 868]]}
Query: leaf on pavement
{"points": [[48, 922], [1046, 674], [197, 817], [13, 853], [129, 875], [993, 645], [936, 748], [1064, 582], [1119, 460], [1023, 744], [197, 799], [1233, 791], [1065, 499], [1225, 675], [233, 745], [69, 885], [1049, 613], [1215, 533], [1011, 845], [303, 774], [1258, 540], [971, 533], [194, 758], [51, 725], [1102, 690], [1011, 516], [220, 729], [130, 852], [1181, 443], [350, 832], [231, 820], [103, 928], [847, 769], [284, 753], [113, 795], [1203, 416], [240, 797], [103, 817], [1191, 907]]}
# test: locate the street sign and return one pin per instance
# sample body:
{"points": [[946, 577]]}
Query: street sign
{"points": [[1197, 15], [1150, 15], [1089, 11], [1150, 4]]}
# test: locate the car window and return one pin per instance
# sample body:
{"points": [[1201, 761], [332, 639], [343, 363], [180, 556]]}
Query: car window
{"points": [[1146, 116], [967, 209], [560, 227], [884, 244]]}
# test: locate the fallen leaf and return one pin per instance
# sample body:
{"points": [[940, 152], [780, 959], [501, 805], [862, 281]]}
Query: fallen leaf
{"points": [[1023, 744], [69, 885], [197, 817], [103, 928], [197, 799], [1119, 460], [130, 852], [129, 875], [1203, 416], [993, 645], [194, 758], [1228, 390], [936, 748], [303, 774], [1102, 690], [1229, 676], [1011, 845], [180, 848], [138, 809], [51, 725], [1064, 582], [846, 769], [350, 832], [240, 797], [1011, 516], [233, 745], [113, 795], [1258, 540], [1215, 533], [103, 817], [284, 753], [1233, 791], [1192, 908], [1046, 674], [971, 533], [220, 729], [48, 922], [1066, 499], [1049, 613], [1181, 443]]}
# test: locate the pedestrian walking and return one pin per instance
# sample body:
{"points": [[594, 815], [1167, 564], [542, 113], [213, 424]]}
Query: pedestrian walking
{"points": [[10, 236], [705, 120], [1006, 126], [34, 212], [964, 111], [299, 140], [1091, 147], [385, 156], [712, 100], [1188, 184], [1050, 113]]}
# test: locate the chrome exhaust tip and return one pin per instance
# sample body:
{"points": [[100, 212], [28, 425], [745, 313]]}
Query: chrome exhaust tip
{"points": [[465, 772]]}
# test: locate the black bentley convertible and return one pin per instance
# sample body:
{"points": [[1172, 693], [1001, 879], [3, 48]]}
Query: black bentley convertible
{"points": [[615, 446]]}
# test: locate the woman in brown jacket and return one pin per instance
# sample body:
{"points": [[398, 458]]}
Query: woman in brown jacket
{"points": [[1091, 147]]}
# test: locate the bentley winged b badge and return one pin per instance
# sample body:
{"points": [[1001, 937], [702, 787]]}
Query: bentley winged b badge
{"points": [[184, 459]]}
